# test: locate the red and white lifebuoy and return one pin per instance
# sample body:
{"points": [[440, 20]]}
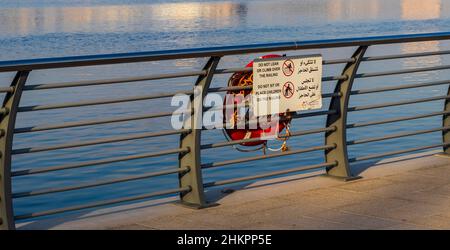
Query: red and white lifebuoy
{"points": [[244, 79]]}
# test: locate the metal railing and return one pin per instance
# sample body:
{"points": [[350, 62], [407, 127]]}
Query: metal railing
{"points": [[190, 167]]}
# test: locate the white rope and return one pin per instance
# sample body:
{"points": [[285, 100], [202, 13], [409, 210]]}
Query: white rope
{"points": [[283, 146]]}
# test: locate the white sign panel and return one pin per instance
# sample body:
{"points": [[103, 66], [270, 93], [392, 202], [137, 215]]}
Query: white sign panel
{"points": [[285, 84]]}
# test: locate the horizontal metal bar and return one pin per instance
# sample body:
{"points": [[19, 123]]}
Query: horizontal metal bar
{"points": [[112, 81], [22, 172], [315, 113], [404, 71], [398, 135], [338, 61], [398, 119], [233, 70], [6, 89], [111, 101], [248, 69], [254, 158], [89, 103], [274, 173], [233, 88], [404, 151], [90, 60], [250, 87], [129, 118], [99, 141], [294, 116], [390, 104], [102, 203], [406, 55], [248, 104], [196, 73], [292, 134], [328, 95], [399, 87], [334, 78], [95, 122], [97, 183]]}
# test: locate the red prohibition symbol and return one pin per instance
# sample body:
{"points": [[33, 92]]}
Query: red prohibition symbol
{"points": [[288, 89], [288, 67]]}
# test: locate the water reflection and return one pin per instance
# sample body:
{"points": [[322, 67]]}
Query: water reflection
{"points": [[190, 11], [421, 61], [420, 10], [119, 18], [209, 15], [354, 9]]}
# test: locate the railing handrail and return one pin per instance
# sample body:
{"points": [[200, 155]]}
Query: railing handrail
{"points": [[103, 59], [190, 167]]}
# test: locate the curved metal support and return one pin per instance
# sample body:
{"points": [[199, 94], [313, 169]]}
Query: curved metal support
{"points": [[338, 120], [192, 159], [8, 120], [446, 122]]}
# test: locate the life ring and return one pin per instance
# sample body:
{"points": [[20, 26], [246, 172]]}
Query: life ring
{"points": [[233, 133]]}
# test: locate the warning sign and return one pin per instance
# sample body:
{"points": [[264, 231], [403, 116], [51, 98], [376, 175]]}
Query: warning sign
{"points": [[288, 89], [287, 84], [288, 67]]}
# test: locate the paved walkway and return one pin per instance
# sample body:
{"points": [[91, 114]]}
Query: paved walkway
{"points": [[412, 192]]}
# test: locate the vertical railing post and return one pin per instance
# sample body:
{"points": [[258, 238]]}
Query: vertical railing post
{"points": [[192, 159], [338, 120], [7, 122], [445, 123]]}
